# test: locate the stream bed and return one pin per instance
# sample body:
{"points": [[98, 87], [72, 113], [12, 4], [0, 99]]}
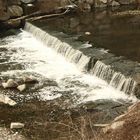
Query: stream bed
{"points": [[64, 94]]}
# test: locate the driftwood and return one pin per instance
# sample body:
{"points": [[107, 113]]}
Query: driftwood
{"points": [[24, 17], [47, 16], [40, 15]]}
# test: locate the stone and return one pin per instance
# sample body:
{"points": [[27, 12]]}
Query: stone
{"points": [[115, 3], [29, 8], [30, 79], [117, 124], [15, 11], [17, 125], [21, 87], [87, 33], [100, 125], [113, 126], [27, 1], [6, 100], [10, 84]]}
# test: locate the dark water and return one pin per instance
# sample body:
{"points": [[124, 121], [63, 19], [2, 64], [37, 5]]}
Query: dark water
{"points": [[118, 34]]}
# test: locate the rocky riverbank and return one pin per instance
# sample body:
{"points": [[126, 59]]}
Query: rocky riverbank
{"points": [[10, 9]]}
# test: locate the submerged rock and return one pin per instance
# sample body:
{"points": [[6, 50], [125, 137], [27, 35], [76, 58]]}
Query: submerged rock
{"points": [[10, 84], [30, 79], [17, 125], [21, 87]]}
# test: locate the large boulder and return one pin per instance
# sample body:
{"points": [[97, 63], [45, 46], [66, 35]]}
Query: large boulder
{"points": [[15, 11]]}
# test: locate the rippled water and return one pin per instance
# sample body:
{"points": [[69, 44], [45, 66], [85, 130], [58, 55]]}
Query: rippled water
{"points": [[24, 54]]}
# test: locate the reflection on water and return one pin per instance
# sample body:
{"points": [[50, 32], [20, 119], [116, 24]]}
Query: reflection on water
{"points": [[120, 35]]}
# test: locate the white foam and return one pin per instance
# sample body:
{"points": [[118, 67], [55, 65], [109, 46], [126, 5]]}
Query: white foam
{"points": [[45, 61]]}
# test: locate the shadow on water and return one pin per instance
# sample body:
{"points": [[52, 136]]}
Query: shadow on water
{"points": [[103, 28]]}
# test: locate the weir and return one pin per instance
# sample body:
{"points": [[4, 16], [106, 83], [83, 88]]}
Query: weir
{"points": [[88, 63]]}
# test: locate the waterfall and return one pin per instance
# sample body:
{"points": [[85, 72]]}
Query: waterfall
{"points": [[99, 69], [63, 48], [115, 79]]}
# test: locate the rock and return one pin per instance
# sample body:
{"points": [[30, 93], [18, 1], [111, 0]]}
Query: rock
{"points": [[17, 125], [100, 125], [30, 79], [27, 1], [30, 5], [6, 100], [87, 33], [115, 3], [105, 110], [29, 8], [100, 3], [49, 82], [21, 87], [10, 84], [15, 11], [113, 126]]}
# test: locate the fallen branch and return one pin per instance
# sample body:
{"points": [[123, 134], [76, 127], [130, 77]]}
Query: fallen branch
{"points": [[24, 17], [40, 15], [47, 16]]}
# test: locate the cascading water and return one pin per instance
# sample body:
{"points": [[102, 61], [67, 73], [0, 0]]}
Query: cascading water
{"points": [[61, 47], [115, 79], [26, 54], [105, 72]]}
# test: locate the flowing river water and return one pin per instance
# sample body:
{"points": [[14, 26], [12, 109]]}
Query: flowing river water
{"points": [[23, 53]]}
